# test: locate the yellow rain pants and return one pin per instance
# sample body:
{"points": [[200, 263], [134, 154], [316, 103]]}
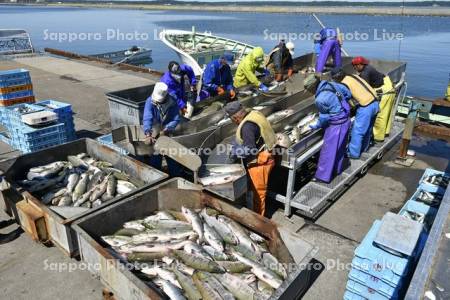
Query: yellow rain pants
{"points": [[383, 122], [259, 175]]}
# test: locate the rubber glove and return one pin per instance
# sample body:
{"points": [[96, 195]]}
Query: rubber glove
{"points": [[220, 90], [266, 72], [263, 88], [232, 94], [314, 126]]}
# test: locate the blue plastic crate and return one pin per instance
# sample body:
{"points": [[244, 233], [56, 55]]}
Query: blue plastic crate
{"points": [[108, 141], [60, 108], [349, 295], [28, 133], [435, 191], [28, 149], [15, 82], [422, 209], [15, 74], [15, 95], [366, 292], [374, 283], [13, 117], [381, 264]]}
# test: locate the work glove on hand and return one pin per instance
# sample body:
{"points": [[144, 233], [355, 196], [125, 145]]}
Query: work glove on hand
{"points": [[314, 126], [266, 72], [232, 94], [149, 139], [220, 90], [263, 88]]}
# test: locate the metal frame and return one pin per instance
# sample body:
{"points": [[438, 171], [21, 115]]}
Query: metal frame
{"points": [[332, 190], [15, 41]]}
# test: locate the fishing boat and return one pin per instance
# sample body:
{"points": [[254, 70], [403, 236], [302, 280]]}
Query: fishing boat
{"points": [[135, 56], [15, 41], [198, 49]]}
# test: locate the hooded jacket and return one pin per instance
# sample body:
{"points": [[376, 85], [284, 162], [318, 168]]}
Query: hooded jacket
{"points": [[216, 75], [175, 88], [245, 73]]}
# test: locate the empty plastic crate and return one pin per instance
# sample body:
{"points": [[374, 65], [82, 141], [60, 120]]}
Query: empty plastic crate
{"points": [[366, 292], [381, 264], [374, 283], [15, 95], [15, 74], [107, 140]]}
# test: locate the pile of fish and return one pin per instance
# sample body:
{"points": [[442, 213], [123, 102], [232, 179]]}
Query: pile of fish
{"points": [[81, 181], [438, 180], [222, 174], [429, 198], [199, 255], [293, 134]]}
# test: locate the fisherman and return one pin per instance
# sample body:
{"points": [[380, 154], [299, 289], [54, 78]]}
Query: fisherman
{"points": [[217, 78], [255, 140], [245, 73], [367, 107], [385, 89], [329, 46], [174, 78], [331, 99], [281, 64], [161, 117]]}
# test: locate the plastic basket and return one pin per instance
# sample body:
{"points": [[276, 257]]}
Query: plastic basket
{"points": [[107, 140], [13, 116], [349, 295], [374, 283], [15, 95], [366, 292], [422, 209], [14, 74], [15, 82], [16, 88], [15, 101], [60, 108], [28, 133]]}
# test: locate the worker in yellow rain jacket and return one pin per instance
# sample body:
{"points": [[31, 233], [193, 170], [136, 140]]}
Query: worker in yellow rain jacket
{"points": [[385, 90], [255, 140], [245, 73]]}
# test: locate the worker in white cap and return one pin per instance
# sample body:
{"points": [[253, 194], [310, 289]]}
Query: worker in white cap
{"points": [[161, 117], [281, 63]]}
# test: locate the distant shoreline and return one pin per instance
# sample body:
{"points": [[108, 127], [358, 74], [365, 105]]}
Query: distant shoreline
{"points": [[354, 10]]}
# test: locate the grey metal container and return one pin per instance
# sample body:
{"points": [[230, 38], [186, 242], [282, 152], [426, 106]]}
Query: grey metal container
{"points": [[126, 107], [172, 194], [58, 227]]}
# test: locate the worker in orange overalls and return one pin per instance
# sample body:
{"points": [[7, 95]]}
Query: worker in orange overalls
{"points": [[255, 140]]}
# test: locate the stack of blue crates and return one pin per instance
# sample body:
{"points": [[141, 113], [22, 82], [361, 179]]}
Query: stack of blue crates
{"points": [[65, 115], [378, 274], [15, 87], [29, 139]]}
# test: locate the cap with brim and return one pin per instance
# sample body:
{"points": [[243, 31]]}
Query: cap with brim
{"points": [[233, 107], [359, 60], [229, 58]]}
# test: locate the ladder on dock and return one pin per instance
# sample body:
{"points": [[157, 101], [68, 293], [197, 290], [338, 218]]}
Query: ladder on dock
{"points": [[314, 197]]}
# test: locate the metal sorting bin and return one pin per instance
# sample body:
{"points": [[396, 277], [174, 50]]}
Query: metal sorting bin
{"points": [[172, 194], [232, 190], [126, 107], [58, 227]]}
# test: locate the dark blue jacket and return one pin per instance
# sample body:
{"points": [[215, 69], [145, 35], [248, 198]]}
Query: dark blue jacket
{"points": [[216, 75], [176, 89]]}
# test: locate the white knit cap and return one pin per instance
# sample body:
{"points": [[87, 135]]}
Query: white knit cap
{"points": [[159, 92], [290, 46]]}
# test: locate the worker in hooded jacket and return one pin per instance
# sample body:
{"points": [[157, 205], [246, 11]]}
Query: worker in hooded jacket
{"points": [[332, 102], [281, 63], [367, 107], [245, 73], [174, 78], [217, 78], [255, 140], [385, 89], [161, 117]]}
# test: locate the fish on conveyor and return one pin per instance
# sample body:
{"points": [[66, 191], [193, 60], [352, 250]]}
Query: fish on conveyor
{"points": [[152, 247], [414, 216], [304, 123], [195, 221], [283, 140], [162, 273], [239, 289], [213, 238], [437, 180], [215, 285], [205, 289], [218, 179], [279, 115], [198, 262], [222, 229], [172, 291], [261, 272], [429, 198], [188, 285], [226, 169], [295, 134], [164, 235], [81, 186]]}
